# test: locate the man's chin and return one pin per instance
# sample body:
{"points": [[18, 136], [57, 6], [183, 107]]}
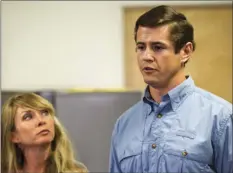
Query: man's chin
{"points": [[152, 83]]}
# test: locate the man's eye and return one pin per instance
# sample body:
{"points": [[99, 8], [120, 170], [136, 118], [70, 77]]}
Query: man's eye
{"points": [[140, 48], [157, 48], [45, 112]]}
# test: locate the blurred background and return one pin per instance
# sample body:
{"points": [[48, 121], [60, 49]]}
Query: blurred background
{"points": [[80, 56]]}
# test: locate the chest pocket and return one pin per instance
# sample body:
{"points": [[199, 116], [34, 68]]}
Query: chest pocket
{"points": [[192, 153], [130, 158]]}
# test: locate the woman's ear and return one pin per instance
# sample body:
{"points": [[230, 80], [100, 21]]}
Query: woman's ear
{"points": [[14, 137], [186, 52]]}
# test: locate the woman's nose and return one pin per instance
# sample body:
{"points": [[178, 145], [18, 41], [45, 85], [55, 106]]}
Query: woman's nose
{"points": [[40, 119]]}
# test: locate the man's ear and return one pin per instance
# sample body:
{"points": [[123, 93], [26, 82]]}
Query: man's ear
{"points": [[14, 137], [186, 52]]}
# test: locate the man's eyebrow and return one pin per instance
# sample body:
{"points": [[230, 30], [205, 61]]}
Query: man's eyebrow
{"points": [[156, 42], [140, 43]]}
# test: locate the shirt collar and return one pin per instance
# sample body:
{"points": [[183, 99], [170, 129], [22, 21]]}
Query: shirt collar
{"points": [[175, 95]]}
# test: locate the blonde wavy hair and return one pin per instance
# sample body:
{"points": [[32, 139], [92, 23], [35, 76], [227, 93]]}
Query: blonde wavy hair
{"points": [[61, 158]]}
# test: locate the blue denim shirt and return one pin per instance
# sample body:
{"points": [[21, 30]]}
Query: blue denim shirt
{"points": [[189, 131]]}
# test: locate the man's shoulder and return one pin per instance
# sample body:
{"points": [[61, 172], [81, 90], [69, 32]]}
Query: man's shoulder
{"points": [[136, 108], [129, 124], [207, 97], [219, 109], [131, 114]]}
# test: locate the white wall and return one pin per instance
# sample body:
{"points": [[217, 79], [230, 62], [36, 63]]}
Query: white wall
{"points": [[59, 44]]}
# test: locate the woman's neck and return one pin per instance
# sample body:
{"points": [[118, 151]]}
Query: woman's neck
{"points": [[35, 159]]}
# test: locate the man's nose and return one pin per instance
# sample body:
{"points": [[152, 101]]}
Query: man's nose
{"points": [[148, 55]]}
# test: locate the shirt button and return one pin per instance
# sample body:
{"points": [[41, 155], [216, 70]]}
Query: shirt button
{"points": [[159, 116], [184, 153], [153, 146]]}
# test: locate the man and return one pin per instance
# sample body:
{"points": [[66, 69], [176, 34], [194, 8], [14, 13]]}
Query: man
{"points": [[176, 127]]}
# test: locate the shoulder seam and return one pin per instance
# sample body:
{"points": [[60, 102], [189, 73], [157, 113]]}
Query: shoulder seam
{"points": [[214, 101]]}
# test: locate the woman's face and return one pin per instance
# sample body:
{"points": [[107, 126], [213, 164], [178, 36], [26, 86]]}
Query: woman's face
{"points": [[32, 127]]}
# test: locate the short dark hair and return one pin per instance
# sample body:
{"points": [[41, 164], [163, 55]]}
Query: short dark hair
{"points": [[181, 31]]}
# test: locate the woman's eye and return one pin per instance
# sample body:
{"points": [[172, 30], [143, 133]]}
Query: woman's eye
{"points": [[45, 112], [27, 116]]}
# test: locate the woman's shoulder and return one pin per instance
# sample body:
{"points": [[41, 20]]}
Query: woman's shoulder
{"points": [[80, 167]]}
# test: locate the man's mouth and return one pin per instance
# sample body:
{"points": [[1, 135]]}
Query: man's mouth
{"points": [[148, 69]]}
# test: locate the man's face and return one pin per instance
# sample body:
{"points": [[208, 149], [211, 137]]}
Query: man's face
{"points": [[156, 57]]}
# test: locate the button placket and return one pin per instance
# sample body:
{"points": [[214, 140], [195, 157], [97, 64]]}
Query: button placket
{"points": [[184, 153], [159, 116]]}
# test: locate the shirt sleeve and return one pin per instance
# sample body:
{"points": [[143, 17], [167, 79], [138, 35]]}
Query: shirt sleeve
{"points": [[223, 147], [113, 159]]}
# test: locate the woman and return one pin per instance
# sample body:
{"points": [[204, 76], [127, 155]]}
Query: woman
{"points": [[33, 139]]}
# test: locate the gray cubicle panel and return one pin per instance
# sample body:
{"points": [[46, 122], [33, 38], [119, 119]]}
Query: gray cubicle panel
{"points": [[89, 119], [6, 94], [49, 95]]}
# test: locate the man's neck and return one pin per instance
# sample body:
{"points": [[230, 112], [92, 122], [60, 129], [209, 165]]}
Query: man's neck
{"points": [[158, 93], [35, 158]]}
